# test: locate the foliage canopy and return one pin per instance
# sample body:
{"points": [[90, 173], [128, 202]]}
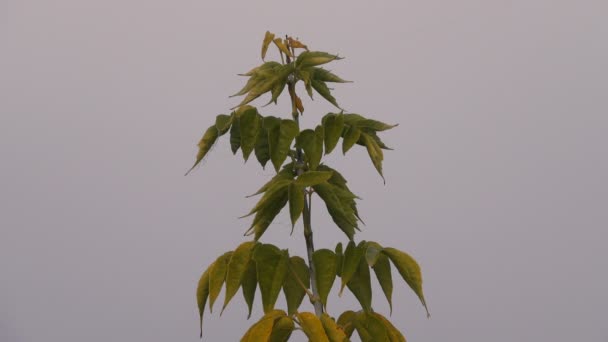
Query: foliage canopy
{"points": [[296, 155]]}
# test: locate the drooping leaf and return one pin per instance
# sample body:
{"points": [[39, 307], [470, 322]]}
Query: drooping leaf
{"points": [[314, 58], [222, 123], [373, 251], [202, 294], [360, 285], [205, 144], [333, 124], [312, 327], [325, 266], [271, 195], [350, 263], [264, 217], [299, 105], [346, 223], [217, 276], [409, 270], [394, 335], [282, 47], [237, 266], [262, 149], [311, 178], [312, 144], [282, 329], [339, 259], [351, 136], [268, 37], [296, 44], [292, 288], [382, 269], [374, 151], [235, 136], [272, 266], [262, 329], [373, 326], [249, 285], [322, 89], [332, 330], [296, 202], [346, 322], [288, 129], [249, 127]]}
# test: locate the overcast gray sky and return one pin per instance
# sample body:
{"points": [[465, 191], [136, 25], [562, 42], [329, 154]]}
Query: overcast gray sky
{"points": [[497, 184]]}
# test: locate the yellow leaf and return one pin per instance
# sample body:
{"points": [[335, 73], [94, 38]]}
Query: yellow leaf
{"points": [[296, 44], [333, 331], [267, 39], [281, 45], [312, 327]]}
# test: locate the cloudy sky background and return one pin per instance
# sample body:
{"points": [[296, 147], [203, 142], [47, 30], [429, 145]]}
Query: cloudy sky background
{"points": [[497, 184]]}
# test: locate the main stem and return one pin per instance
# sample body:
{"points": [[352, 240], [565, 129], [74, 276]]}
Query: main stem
{"points": [[310, 246]]}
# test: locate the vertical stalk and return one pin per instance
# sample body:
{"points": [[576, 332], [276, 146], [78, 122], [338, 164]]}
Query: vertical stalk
{"points": [[310, 247]]}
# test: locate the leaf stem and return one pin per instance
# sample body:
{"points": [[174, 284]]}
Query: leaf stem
{"points": [[310, 247]]}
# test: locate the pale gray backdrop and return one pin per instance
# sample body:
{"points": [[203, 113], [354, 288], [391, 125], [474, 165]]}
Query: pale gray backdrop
{"points": [[497, 184]]}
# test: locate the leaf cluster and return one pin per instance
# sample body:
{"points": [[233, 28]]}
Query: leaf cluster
{"points": [[254, 264]]}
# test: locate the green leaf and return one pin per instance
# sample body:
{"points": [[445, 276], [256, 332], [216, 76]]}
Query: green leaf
{"points": [[362, 122], [325, 266], [285, 174], [339, 259], [312, 327], [351, 136], [217, 276], [222, 123], [314, 58], [264, 217], [271, 196], [296, 202], [374, 151], [207, 141], [279, 148], [293, 290], [278, 74], [249, 285], [202, 294], [332, 330], [372, 253], [333, 124], [350, 263], [249, 126], [282, 329], [326, 76], [311, 178], [360, 285], [312, 144], [321, 88], [335, 208], [373, 326], [262, 149], [409, 270], [346, 322], [262, 329], [394, 335], [235, 135], [382, 269], [272, 266], [237, 266], [268, 37]]}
